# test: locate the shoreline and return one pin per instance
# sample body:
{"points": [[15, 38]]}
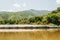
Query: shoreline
{"points": [[25, 25]]}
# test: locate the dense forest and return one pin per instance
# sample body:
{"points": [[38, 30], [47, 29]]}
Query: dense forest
{"points": [[29, 17]]}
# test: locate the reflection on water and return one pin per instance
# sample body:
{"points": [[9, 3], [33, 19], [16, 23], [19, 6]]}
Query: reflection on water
{"points": [[31, 27]]}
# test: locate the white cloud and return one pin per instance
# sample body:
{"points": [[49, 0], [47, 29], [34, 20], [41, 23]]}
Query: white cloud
{"points": [[58, 1], [17, 5], [9, 10], [24, 5]]}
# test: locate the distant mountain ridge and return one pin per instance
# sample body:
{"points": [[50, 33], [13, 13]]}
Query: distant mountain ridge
{"points": [[36, 12], [41, 12], [26, 13]]}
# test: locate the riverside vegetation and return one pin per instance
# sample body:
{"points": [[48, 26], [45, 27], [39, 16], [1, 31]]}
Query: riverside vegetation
{"points": [[30, 18], [27, 17]]}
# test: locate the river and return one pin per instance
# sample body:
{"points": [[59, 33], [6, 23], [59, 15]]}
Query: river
{"points": [[24, 28]]}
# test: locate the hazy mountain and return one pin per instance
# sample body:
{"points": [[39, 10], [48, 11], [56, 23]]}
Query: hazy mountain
{"points": [[33, 12], [41, 12], [26, 13]]}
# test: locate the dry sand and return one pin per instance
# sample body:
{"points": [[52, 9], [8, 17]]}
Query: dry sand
{"points": [[31, 35]]}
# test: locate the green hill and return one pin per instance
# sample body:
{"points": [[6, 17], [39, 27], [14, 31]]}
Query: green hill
{"points": [[26, 13]]}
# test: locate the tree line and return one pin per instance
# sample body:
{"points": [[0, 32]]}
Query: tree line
{"points": [[51, 18]]}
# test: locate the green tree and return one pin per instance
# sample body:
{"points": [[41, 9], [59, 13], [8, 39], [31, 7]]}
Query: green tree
{"points": [[35, 19], [15, 19], [1, 20], [53, 18], [58, 9]]}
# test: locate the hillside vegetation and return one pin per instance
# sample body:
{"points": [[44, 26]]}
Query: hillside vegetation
{"points": [[31, 17]]}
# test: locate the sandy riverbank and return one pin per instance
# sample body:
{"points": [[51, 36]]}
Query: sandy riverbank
{"points": [[31, 35]]}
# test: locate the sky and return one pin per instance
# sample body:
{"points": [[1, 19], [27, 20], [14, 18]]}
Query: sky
{"points": [[20, 5]]}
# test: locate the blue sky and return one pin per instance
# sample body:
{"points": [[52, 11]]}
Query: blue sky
{"points": [[19, 5]]}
